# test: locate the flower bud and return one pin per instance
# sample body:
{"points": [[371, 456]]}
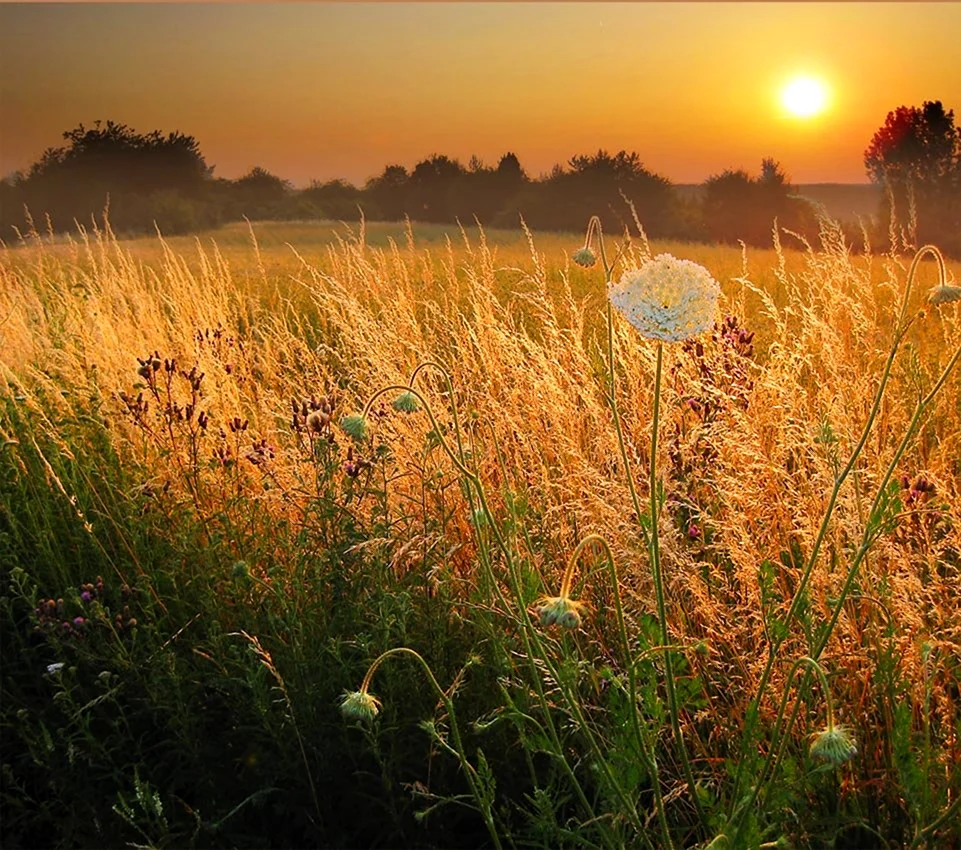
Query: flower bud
{"points": [[584, 257], [355, 426]]}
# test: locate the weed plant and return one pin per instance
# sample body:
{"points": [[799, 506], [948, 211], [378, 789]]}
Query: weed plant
{"points": [[379, 546]]}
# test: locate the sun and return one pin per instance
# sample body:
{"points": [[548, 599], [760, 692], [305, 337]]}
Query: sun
{"points": [[804, 97]]}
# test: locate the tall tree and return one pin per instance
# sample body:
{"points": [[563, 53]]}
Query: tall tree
{"points": [[916, 154]]}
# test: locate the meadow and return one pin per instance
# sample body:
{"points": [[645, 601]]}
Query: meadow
{"points": [[237, 469]]}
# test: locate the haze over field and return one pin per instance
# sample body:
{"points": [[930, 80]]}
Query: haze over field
{"points": [[335, 90]]}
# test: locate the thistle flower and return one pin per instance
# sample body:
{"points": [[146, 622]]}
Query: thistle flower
{"points": [[944, 294], [355, 426], [406, 402], [359, 705], [562, 610], [666, 299], [584, 257], [834, 744], [317, 420]]}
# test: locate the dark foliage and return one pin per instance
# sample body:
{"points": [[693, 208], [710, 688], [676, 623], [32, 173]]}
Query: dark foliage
{"points": [[162, 180], [738, 207], [916, 155]]}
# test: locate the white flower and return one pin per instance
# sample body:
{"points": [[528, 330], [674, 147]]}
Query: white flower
{"points": [[56, 667], [667, 298]]}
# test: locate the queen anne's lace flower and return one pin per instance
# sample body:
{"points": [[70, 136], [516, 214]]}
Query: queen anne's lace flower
{"points": [[359, 705], [355, 425], [834, 744], [562, 610], [667, 298]]}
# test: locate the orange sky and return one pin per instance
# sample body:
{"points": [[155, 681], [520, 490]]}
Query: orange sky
{"points": [[324, 90]]}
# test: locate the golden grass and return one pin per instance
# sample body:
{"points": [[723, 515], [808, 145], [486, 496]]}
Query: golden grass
{"points": [[521, 332]]}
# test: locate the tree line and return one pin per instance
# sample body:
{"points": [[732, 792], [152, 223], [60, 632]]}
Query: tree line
{"points": [[163, 180]]}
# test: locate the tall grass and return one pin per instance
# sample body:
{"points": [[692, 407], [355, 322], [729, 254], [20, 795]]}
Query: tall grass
{"points": [[213, 560]]}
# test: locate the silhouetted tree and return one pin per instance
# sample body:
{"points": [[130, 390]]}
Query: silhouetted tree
{"points": [[740, 207], [389, 191], [916, 154], [597, 182], [116, 156], [729, 207], [436, 189], [340, 200], [259, 194], [112, 161]]}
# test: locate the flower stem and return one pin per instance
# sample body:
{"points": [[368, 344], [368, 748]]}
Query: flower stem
{"points": [[900, 331], [469, 772], [655, 551], [648, 755]]}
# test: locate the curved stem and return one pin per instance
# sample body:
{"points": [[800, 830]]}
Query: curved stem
{"points": [[469, 771], [431, 364], [433, 421], [798, 597], [649, 756]]}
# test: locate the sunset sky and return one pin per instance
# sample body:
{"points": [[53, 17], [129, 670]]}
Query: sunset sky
{"points": [[325, 90]]}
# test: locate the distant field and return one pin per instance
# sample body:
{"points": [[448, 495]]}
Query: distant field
{"points": [[842, 201]]}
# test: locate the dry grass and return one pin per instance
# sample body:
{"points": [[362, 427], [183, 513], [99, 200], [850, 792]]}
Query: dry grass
{"points": [[521, 332]]}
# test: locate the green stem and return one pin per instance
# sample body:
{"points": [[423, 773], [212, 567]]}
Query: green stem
{"points": [[430, 364], [901, 329], [532, 642], [649, 756], [469, 772], [815, 551], [655, 551]]}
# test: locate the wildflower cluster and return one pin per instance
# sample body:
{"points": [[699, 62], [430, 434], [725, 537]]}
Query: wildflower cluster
{"points": [[313, 416], [926, 524], [73, 618], [355, 464], [224, 347], [51, 619], [919, 491], [177, 410], [260, 452]]}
